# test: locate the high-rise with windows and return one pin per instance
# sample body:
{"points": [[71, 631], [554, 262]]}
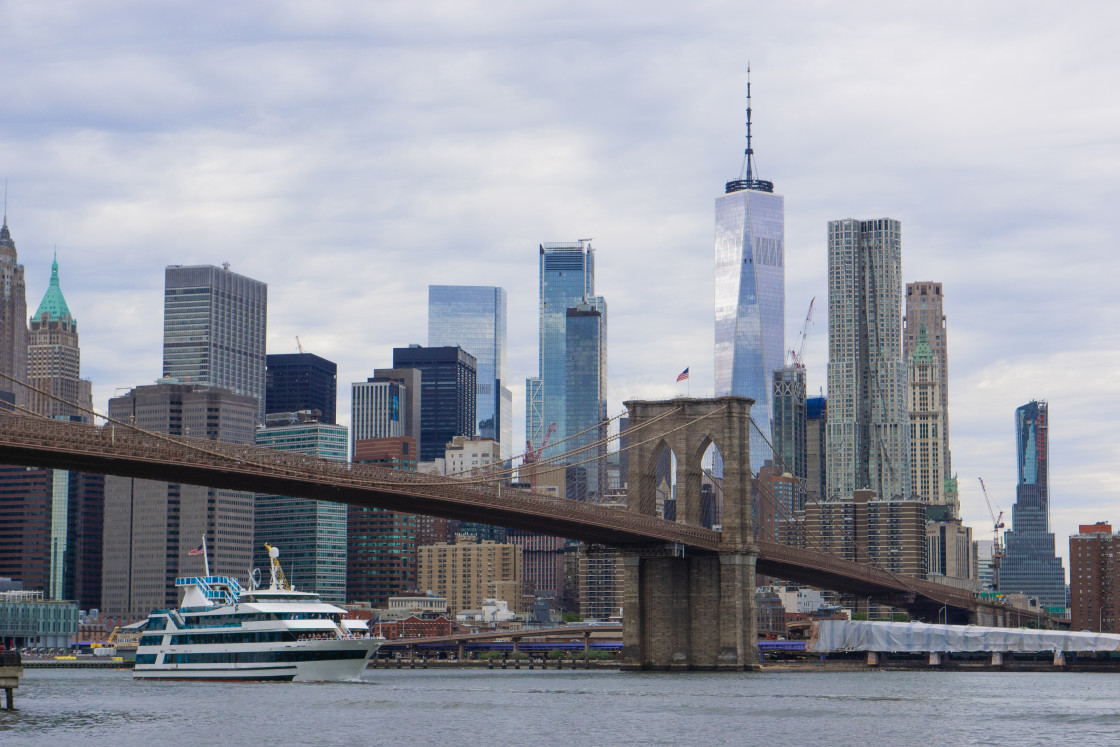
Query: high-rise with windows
{"points": [[214, 324], [13, 321], [448, 394], [151, 526], [1029, 565], [473, 317], [868, 424], [301, 381], [567, 281], [750, 291], [585, 401], [310, 533], [790, 420], [925, 309], [928, 456]]}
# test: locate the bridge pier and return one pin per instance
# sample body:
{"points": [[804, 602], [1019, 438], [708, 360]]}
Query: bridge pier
{"points": [[691, 613]]}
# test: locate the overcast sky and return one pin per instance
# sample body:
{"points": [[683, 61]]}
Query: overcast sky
{"points": [[352, 153]]}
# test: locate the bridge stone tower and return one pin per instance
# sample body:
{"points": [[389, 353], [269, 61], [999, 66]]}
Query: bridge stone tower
{"points": [[695, 612]]}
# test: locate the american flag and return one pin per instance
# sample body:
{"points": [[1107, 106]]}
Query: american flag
{"points": [[683, 376], [198, 550]]}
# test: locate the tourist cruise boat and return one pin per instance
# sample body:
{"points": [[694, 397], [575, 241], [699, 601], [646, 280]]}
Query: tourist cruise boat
{"points": [[221, 632]]}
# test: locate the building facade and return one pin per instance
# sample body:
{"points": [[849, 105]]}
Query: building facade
{"points": [[214, 327], [1094, 578], [311, 534], [301, 381], [567, 280], [473, 317], [150, 527], [816, 446], [448, 394], [54, 359], [1029, 564], [585, 400], [791, 420], [890, 533], [13, 321], [749, 290], [462, 572], [380, 544], [949, 550], [868, 427], [925, 308], [378, 407], [928, 456]]}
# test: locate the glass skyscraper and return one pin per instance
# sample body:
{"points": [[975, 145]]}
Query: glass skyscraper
{"points": [[448, 392], [567, 281], [311, 534], [473, 317], [750, 291], [585, 407], [1029, 564], [214, 324], [301, 381]]}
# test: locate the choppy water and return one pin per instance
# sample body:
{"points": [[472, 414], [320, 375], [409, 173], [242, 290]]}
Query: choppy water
{"points": [[496, 707]]}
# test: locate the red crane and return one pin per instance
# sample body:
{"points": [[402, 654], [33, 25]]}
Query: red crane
{"points": [[997, 548], [531, 454]]}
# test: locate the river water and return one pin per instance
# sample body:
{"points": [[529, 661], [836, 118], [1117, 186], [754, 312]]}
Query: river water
{"points": [[598, 707]]}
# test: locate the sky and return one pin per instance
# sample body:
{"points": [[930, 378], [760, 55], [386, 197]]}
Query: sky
{"points": [[350, 154]]}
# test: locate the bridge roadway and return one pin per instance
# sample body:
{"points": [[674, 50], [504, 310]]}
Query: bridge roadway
{"points": [[126, 452], [583, 632]]}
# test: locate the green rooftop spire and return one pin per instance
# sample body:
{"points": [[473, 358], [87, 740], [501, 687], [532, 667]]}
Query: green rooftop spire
{"points": [[922, 352], [53, 304]]}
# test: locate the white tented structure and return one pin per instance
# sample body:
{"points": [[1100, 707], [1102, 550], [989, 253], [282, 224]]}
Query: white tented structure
{"points": [[848, 635]]}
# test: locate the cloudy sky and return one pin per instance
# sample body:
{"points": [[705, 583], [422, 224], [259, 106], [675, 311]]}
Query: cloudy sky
{"points": [[352, 153]]}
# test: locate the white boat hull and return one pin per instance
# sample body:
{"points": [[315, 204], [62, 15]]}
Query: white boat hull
{"points": [[298, 662]]}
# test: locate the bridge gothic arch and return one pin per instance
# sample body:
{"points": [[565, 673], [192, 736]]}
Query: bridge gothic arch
{"points": [[694, 612]]}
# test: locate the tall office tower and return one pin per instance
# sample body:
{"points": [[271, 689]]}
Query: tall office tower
{"points": [[790, 420], [311, 534], [150, 526], [473, 317], [750, 291], [448, 394], [377, 407], [928, 458], [50, 532], [949, 550], [924, 309], [50, 520], [1094, 578], [13, 322], [1029, 565], [567, 280], [585, 400], [301, 381], [889, 531], [214, 324], [868, 428], [53, 359], [409, 378], [816, 448]]}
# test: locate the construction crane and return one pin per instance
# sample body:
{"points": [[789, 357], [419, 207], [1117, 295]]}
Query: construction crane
{"points": [[796, 355], [997, 547], [531, 454]]}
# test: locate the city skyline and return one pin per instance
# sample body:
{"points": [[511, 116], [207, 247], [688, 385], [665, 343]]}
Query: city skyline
{"points": [[235, 172]]}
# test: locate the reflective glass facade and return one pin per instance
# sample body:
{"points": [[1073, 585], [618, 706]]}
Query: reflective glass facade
{"points": [[378, 408], [790, 419], [567, 279], [214, 324], [868, 421], [586, 401], [750, 300], [311, 535], [301, 381], [1029, 565], [448, 394], [473, 317]]}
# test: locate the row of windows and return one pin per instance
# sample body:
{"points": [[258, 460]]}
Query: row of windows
{"points": [[253, 657]]}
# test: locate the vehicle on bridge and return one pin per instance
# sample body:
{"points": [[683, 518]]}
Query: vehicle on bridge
{"points": [[220, 632]]}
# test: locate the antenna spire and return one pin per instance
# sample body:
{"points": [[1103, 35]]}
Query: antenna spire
{"points": [[747, 177], [5, 201]]}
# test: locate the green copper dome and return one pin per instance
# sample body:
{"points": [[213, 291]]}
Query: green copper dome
{"points": [[922, 352], [53, 304]]}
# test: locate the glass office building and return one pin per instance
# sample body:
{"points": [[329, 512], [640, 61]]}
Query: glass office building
{"points": [[311, 534], [448, 394], [1029, 564], [214, 324], [473, 317], [567, 280], [301, 381], [585, 409]]}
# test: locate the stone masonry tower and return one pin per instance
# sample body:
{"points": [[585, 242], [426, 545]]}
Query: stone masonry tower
{"points": [[53, 359], [13, 322]]}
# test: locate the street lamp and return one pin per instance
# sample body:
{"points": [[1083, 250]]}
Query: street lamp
{"points": [[944, 609]]}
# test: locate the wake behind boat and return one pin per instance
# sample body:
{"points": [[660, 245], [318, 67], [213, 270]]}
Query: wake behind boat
{"points": [[220, 632]]}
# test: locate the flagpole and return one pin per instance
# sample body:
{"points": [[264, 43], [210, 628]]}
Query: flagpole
{"points": [[205, 555]]}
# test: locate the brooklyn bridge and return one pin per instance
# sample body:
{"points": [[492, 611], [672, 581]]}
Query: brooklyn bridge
{"points": [[688, 598]]}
